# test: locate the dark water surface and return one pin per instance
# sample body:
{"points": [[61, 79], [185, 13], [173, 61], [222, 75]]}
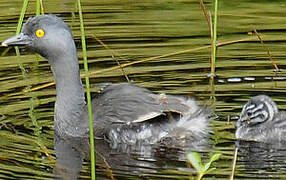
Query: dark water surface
{"points": [[134, 31]]}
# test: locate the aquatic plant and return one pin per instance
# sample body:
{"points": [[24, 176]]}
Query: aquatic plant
{"points": [[195, 160]]}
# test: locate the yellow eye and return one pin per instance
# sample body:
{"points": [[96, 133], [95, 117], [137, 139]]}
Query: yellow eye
{"points": [[40, 33]]}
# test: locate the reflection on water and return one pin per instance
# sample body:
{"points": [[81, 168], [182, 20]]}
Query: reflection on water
{"points": [[138, 159], [263, 157], [135, 30]]}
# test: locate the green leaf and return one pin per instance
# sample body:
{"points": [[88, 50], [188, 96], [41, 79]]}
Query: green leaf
{"points": [[214, 157], [195, 159], [210, 170], [207, 165]]}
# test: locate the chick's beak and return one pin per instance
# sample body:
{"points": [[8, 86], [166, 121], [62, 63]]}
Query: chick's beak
{"points": [[20, 39]]}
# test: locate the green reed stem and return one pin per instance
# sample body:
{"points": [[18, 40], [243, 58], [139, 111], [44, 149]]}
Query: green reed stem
{"points": [[19, 26], [92, 155], [213, 59], [21, 18], [38, 7]]}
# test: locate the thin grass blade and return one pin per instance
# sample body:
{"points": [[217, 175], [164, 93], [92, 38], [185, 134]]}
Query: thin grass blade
{"points": [[92, 155]]}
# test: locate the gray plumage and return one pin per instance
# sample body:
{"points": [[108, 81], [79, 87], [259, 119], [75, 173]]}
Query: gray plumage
{"points": [[123, 113], [260, 120]]}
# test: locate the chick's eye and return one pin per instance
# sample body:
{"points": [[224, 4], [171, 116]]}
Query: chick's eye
{"points": [[40, 33]]}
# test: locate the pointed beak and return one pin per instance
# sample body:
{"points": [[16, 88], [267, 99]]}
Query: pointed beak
{"points": [[20, 39]]}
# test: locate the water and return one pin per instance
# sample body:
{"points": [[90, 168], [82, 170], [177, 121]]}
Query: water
{"points": [[135, 31]]}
